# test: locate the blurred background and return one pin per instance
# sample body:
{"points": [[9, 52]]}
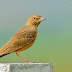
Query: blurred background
{"points": [[54, 39]]}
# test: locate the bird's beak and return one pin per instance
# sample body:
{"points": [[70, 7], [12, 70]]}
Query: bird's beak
{"points": [[41, 19]]}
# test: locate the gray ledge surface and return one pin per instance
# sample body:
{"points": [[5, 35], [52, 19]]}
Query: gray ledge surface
{"points": [[26, 67]]}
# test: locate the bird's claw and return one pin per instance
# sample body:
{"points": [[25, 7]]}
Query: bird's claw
{"points": [[27, 62]]}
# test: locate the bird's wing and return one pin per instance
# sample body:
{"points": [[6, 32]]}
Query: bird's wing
{"points": [[19, 40]]}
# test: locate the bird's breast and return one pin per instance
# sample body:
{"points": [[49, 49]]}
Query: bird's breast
{"points": [[26, 47]]}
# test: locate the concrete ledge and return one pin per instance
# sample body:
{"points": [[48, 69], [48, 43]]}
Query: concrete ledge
{"points": [[26, 67]]}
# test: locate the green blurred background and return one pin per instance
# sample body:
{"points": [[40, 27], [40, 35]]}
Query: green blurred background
{"points": [[54, 40]]}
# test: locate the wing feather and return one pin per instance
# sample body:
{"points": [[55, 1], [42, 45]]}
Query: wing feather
{"points": [[19, 40]]}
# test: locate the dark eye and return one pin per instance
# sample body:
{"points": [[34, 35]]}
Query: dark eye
{"points": [[34, 18]]}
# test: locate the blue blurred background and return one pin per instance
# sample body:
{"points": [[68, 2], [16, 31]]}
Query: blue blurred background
{"points": [[54, 40]]}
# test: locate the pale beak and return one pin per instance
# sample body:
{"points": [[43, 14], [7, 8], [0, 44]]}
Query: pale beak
{"points": [[41, 19]]}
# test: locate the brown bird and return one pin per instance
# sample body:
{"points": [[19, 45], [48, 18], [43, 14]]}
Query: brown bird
{"points": [[24, 38]]}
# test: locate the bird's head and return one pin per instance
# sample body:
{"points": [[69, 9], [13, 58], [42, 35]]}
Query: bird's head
{"points": [[35, 20]]}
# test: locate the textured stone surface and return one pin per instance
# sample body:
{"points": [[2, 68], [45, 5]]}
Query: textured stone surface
{"points": [[26, 67], [4, 67]]}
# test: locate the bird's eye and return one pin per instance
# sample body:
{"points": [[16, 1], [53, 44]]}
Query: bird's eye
{"points": [[34, 18]]}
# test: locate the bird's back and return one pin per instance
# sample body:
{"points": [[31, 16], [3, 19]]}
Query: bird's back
{"points": [[21, 39]]}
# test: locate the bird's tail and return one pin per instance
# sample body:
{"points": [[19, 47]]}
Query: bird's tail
{"points": [[3, 54]]}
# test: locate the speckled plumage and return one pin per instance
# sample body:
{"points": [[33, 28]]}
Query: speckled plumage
{"points": [[23, 39]]}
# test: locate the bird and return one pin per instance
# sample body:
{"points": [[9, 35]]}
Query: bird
{"points": [[24, 38]]}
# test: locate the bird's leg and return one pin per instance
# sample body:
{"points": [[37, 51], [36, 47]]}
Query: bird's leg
{"points": [[17, 53], [21, 57]]}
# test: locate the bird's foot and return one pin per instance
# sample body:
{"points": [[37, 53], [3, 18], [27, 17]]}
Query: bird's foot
{"points": [[30, 62], [27, 62]]}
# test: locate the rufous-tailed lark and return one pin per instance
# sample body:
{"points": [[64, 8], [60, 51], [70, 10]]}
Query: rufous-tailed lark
{"points": [[24, 38]]}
